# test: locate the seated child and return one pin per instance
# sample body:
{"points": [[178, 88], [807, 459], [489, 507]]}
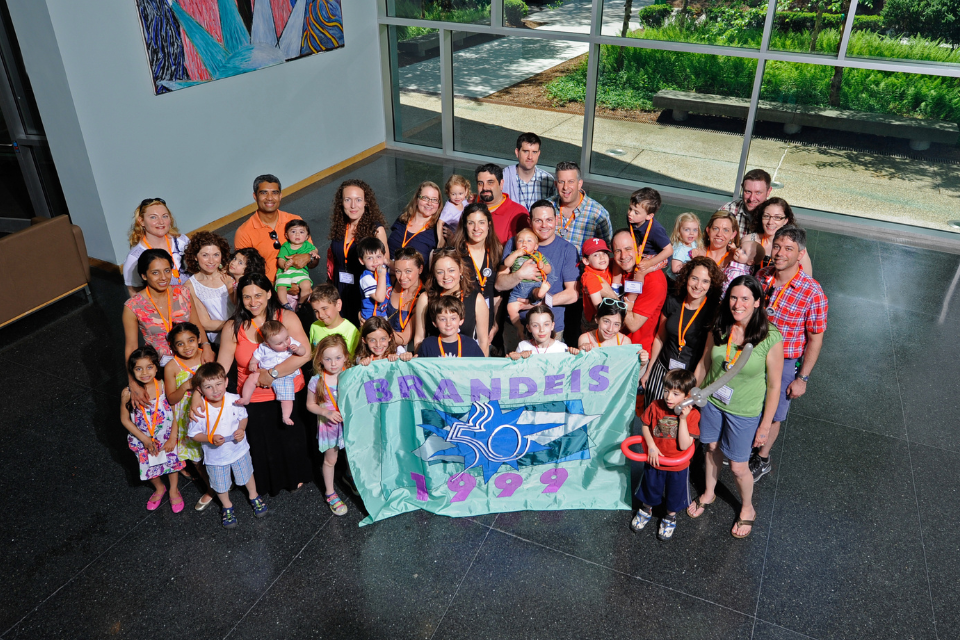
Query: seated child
{"points": [[667, 434], [326, 304], [458, 196], [446, 314], [275, 347], [527, 248], [542, 336], [221, 432], [655, 248], [297, 233], [595, 282], [686, 237], [375, 279]]}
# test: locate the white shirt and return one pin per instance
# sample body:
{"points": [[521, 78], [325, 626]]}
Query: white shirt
{"points": [[230, 451], [556, 347], [270, 359]]}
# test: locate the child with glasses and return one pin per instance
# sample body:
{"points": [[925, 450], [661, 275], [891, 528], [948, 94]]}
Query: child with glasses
{"points": [[297, 233]]}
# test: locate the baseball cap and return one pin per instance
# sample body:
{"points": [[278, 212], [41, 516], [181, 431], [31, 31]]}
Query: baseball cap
{"points": [[593, 245]]}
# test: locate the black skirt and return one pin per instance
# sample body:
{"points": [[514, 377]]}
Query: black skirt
{"points": [[280, 452]]}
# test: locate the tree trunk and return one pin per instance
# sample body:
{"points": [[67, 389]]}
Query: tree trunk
{"points": [[628, 7], [835, 86], [817, 26]]}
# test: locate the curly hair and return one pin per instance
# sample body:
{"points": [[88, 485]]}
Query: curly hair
{"points": [[136, 229], [716, 275], [757, 221], [466, 281], [371, 219], [198, 241], [411, 209], [493, 246], [255, 261]]}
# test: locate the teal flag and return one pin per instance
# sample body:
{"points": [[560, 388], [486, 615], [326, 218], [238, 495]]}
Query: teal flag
{"points": [[466, 436]]}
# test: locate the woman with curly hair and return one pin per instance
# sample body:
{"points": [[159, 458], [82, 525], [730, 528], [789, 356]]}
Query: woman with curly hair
{"points": [[450, 276], [355, 216], [685, 322], [153, 228], [206, 258], [419, 226]]}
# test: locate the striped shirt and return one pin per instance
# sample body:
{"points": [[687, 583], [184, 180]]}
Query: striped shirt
{"points": [[801, 309], [744, 217], [590, 220], [540, 187]]}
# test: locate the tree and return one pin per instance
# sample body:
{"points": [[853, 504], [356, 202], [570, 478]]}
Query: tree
{"points": [[934, 19]]}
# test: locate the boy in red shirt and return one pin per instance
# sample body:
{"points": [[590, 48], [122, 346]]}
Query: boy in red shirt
{"points": [[595, 280], [667, 434]]}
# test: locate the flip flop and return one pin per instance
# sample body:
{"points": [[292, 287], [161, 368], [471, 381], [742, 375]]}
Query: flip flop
{"points": [[176, 507], [742, 523], [154, 502], [699, 506]]}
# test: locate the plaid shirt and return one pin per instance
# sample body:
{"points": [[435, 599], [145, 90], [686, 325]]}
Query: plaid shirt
{"points": [[743, 216], [541, 187], [590, 220], [801, 309]]}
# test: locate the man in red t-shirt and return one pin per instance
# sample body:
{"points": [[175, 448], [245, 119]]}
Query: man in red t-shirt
{"points": [[644, 291], [508, 216], [667, 435]]}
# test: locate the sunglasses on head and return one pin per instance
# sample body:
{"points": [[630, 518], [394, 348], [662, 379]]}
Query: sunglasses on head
{"points": [[148, 201], [613, 302]]}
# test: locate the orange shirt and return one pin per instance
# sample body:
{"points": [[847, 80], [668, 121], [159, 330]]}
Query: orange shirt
{"points": [[592, 282], [253, 233]]}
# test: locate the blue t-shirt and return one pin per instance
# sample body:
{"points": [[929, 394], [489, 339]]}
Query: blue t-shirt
{"points": [[430, 348], [368, 286], [657, 240], [565, 266], [681, 252]]}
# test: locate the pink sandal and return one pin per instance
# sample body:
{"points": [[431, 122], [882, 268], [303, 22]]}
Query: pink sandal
{"points": [[154, 502], [176, 507]]}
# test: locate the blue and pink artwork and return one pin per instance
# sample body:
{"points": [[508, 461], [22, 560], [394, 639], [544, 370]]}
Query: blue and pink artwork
{"points": [[190, 42]]}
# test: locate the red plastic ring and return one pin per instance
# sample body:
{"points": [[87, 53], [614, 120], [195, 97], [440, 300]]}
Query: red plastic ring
{"points": [[665, 463]]}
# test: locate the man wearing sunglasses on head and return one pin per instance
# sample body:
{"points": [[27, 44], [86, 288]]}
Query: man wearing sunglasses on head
{"points": [[264, 230]]}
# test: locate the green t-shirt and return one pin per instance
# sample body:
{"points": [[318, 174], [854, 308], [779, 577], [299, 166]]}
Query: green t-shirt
{"points": [[319, 331], [750, 385]]}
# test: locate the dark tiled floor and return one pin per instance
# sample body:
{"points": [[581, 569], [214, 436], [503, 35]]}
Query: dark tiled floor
{"points": [[856, 532]]}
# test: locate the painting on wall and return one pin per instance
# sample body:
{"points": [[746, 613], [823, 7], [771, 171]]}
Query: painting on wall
{"points": [[191, 42]]}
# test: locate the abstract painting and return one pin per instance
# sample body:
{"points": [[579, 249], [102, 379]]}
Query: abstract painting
{"points": [[191, 42]]}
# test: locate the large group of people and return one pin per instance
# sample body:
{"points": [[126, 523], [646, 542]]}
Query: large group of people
{"points": [[517, 263]]}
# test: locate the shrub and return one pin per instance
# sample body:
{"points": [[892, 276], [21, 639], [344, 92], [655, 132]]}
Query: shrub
{"points": [[515, 11], [654, 15], [934, 19]]}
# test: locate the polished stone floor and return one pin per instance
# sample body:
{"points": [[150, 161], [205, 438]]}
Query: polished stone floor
{"points": [[856, 536]]}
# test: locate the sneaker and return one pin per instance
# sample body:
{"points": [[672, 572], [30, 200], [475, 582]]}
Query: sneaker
{"points": [[640, 520], [759, 468], [228, 519], [667, 526], [259, 507], [336, 504]]}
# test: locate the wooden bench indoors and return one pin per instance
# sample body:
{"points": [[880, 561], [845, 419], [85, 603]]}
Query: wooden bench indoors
{"points": [[920, 132]]}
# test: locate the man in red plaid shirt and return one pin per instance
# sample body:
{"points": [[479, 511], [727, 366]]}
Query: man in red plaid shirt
{"points": [[797, 306]]}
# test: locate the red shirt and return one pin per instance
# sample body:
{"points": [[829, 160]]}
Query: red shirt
{"points": [[648, 304], [508, 218], [591, 283], [665, 426]]}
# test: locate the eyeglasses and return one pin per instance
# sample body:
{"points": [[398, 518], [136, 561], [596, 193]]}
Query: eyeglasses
{"points": [[427, 200], [276, 242], [766, 218], [620, 304]]}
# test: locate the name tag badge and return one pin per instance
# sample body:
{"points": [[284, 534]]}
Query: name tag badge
{"points": [[674, 364], [724, 394], [346, 277], [632, 286], [160, 458], [487, 300]]}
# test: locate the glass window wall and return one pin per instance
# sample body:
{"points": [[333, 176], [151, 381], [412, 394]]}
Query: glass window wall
{"points": [[470, 11], [906, 30], [718, 23], [415, 84]]}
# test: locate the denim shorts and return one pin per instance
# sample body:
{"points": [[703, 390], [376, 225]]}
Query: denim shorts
{"points": [[734, 433], [523, 291]]}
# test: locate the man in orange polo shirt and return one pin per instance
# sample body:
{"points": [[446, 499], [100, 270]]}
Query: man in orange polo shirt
{"points": [[264, 230]]}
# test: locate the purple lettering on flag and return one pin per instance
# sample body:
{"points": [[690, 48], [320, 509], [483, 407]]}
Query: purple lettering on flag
{"points": [[377, 391], [530, 388], [446, 390], [410, 384], [421, 481], [575, 381], [478, 391], [600, 381], [553, 385]]}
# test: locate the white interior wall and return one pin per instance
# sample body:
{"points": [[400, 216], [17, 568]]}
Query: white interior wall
{"points": [[199, 148]]}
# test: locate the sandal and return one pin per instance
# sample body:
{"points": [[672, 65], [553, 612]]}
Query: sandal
{"points": [[641, 520], [259, 507], [155, 500], [667, 526], [742, 523], [176, 507], [698, 507], [227, 518], [336, 504]]}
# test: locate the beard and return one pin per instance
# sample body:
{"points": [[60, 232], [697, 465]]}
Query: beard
{"points": [[486, 196]]}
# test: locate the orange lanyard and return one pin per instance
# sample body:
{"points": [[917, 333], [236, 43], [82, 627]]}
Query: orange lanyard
{"points": [[182, 366], [776, 300], [176, 272], [503, 198], [330, 397], [403, 323], [599, 343], [682, 330], [536, 261], [376, 278], [206, 411], [573, 213], [256, 326], [153, 422], [722, 258], [167, 322], [443, 354], [480, 277], [639, 251], [727, 360], [406, 240], [346, 246]]}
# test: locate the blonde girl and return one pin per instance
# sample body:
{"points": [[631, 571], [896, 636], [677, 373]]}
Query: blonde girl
{"points": [[378, 341], [330, 359], [153, 228], [687, 236], [458, 195], [153, 434]]}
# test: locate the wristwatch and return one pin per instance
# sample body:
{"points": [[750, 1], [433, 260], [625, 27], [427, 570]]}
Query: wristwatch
{"points": [[274, 374], [804, 378]]}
